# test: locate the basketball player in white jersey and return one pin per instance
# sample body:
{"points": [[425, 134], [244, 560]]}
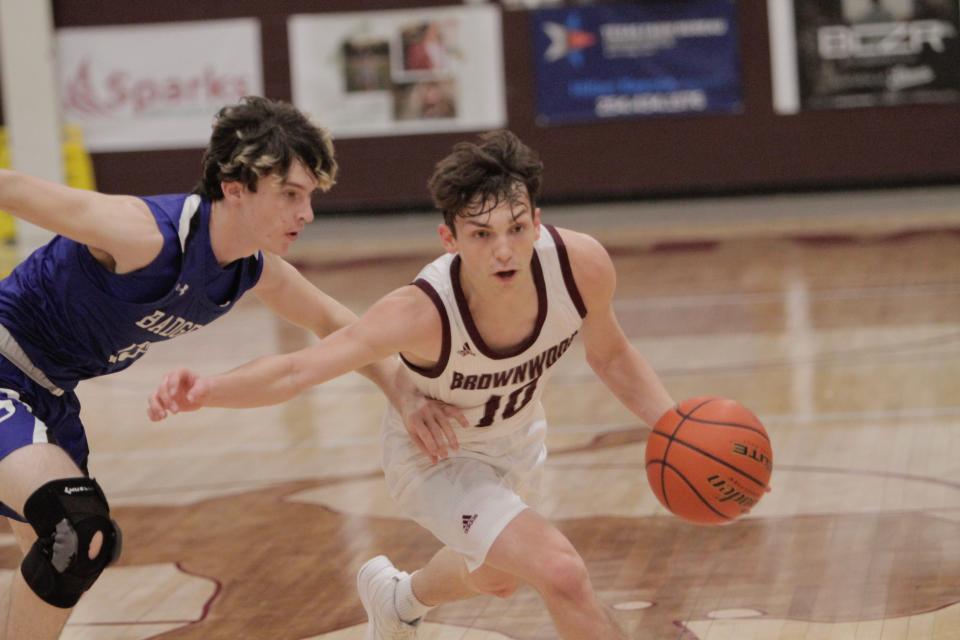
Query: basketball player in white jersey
{"points": [[481, 329]]}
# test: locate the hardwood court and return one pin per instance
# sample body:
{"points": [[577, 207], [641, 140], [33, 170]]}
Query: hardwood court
{"points": [[845, 340]]}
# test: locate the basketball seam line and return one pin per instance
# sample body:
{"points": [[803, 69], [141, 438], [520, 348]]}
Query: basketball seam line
{"points": [[680, 475], [715, 459], [726, 424], [663, 471]]}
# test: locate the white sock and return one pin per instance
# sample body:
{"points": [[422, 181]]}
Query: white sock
{"points": [[408, 607]]}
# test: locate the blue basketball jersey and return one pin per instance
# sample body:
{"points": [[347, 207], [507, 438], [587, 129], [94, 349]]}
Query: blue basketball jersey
{"points": [[66, 318]]}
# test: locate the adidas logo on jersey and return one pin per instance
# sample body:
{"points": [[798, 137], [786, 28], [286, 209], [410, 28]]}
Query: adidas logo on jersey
{"points": [[181, 288], [466, 350], [468, 522]]}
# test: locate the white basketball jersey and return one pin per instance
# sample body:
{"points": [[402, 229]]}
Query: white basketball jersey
{"points": [[499, 392]]}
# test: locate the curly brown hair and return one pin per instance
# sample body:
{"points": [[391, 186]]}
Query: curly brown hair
{"points": [[257, 137], [475, 178]]}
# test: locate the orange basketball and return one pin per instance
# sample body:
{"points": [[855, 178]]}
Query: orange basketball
{"points": [[709, 460]]}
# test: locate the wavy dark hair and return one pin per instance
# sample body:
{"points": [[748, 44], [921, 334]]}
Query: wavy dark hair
{"points": [[475, 178], [257, 137]]}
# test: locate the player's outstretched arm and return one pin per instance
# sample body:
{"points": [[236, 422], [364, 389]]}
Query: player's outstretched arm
{"points": [[393, 324], [120, 226], [291, 296], [610, 354]]}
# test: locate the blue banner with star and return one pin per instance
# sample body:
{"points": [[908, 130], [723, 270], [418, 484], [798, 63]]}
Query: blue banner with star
{"points": [[625, 61]]}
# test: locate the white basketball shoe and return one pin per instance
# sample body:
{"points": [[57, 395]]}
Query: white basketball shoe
{"points": [[377, 584]]}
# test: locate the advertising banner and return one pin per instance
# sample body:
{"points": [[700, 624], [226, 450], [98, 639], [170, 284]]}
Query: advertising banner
{"points": [[378, 73], [650, 59], [156, 86], [864, 53]]}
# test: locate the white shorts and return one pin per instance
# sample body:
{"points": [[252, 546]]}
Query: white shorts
{"points": [[467, 500]]}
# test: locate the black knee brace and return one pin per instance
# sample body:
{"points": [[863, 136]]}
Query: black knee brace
{"points": [[66, 514]]}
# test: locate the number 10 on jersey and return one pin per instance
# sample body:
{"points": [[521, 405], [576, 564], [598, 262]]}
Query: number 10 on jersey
{"points": [[516, 401]]}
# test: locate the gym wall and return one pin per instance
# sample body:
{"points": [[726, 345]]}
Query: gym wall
{"points": [[755, 150]]}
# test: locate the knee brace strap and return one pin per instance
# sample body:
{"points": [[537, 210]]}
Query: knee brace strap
{"points": [[66, 515]]}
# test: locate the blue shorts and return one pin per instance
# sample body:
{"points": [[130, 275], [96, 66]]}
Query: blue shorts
{"points": [[29, 414]]}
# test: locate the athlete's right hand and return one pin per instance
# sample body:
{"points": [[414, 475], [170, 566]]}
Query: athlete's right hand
{"points": [[180, 390], [430, 423]]}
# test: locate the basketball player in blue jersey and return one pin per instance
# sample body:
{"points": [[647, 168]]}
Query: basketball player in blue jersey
{"points": [[481, 328], [123, 273]]}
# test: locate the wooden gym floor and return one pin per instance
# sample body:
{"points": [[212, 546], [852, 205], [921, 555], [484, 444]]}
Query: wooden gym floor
{"points": [[835, 317]]}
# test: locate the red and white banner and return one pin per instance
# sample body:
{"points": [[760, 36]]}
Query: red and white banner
{"points": [[155, 86]]}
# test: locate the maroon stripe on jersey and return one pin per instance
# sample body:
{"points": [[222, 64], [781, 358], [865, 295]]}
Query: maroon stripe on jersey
{"points": [[437, 369], [567, 271], [471, 326]]}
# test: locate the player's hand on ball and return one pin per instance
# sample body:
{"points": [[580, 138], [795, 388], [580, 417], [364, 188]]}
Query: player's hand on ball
{"points": [[180, 390]]}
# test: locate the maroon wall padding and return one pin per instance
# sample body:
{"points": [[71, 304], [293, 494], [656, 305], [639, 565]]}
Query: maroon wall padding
{"points": [[754, 150]]}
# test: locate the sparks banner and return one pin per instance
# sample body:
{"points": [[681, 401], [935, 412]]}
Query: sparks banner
{"points": [[650, 59], [863, 53], [409, 71], [155, 86]]}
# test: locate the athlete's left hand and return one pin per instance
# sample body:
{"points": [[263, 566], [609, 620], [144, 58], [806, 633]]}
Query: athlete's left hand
{"points": [[180, 390], [430, 425]]}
